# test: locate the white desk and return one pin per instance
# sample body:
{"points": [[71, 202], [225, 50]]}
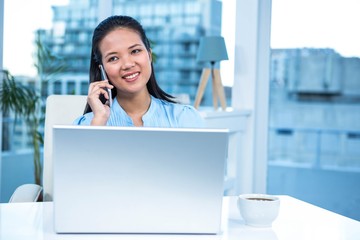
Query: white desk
{"points": [[297, 220]]}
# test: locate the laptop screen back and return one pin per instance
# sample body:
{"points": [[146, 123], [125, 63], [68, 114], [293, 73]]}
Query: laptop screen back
{"points": [[138, 180]]}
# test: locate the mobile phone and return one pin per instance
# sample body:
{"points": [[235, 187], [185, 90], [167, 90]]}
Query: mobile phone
{"points": [[104, 77]]}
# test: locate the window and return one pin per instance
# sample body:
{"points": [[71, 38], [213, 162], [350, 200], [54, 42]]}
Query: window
{"points": [[57, 87], [17, 57], [314, 110], [65, 29], [70, 87], [84, 86]]}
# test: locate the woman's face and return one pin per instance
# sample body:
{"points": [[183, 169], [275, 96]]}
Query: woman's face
{"points": [[126, 61]]}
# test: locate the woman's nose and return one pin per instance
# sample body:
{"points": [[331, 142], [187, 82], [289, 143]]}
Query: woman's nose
{"points": [[127, 63]]}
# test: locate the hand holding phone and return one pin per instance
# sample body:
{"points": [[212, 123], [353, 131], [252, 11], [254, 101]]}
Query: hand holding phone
{"points": [[104, 77]]}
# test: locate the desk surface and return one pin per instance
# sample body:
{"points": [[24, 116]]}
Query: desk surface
{"points": [[296, 220]]}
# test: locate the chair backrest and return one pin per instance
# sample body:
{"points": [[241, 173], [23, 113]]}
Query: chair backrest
{"points": [[26, 193], [60, 109]]}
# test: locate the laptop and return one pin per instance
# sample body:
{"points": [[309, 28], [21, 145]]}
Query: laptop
{"points": [[138, 180]]}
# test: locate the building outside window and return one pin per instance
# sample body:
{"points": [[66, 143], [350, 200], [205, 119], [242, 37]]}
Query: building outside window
{"points": [[174, 28], [314, 135], [314, 132]]}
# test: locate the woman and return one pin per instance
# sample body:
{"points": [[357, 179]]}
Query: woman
{"points": [[120, 45]]}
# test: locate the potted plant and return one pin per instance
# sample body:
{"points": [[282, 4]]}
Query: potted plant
{"points": [[28, 102], [21, 101]]}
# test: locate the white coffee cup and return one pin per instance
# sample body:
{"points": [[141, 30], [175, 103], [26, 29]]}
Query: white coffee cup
{"points": [[258, 210]]}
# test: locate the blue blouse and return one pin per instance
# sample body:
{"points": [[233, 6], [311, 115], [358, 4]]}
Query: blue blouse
{"points": [[160, 114]]}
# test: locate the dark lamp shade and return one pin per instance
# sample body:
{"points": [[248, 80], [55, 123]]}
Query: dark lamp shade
{"points": [[212, 49]]}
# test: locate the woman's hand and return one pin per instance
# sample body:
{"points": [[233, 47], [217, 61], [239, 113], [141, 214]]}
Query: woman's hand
{"points": [[101, 111]]}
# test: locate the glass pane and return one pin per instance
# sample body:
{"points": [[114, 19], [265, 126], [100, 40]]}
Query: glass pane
{"points": [[23, 42], [314, 128], [228, 32], [65, 29]]}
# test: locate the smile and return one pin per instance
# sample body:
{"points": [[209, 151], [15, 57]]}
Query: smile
{"points": [[129, 77]]}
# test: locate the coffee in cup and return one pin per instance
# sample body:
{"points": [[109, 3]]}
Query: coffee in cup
{"points": [[258, 210]]}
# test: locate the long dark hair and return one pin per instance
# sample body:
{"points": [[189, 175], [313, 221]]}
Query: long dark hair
{"points": [[108, 25]]}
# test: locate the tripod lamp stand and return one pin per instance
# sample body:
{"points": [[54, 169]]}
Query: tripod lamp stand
{"points": [[211, 49]]}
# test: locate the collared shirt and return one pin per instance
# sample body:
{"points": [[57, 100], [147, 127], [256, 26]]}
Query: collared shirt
{"points": [[160, 114]]}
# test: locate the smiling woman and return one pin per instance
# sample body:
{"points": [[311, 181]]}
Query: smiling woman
{"points": [[120, 45]]}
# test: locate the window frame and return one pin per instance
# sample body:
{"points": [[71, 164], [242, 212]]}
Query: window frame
{"points": [[251, 88]]}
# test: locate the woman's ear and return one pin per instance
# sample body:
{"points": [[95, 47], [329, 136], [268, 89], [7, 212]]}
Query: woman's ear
{"points": [[150, 55]]}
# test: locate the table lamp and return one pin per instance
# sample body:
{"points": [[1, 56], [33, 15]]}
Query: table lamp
{"points": [[211, 49]]}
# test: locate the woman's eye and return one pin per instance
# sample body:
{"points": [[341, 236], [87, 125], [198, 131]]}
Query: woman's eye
{"points": [[111, 59], [136, 51]]}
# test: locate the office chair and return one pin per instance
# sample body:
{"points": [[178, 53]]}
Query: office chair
{"points": [[26, 193], [60, 109]]}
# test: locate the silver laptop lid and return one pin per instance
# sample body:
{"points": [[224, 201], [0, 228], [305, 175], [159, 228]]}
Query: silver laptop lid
{"points": [[138, 180]]}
